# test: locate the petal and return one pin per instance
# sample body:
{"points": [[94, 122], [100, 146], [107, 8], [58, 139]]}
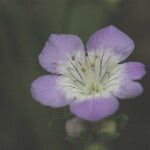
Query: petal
{"points": [[45, 91], [56, 48], [94, 109], [128, 89], [111, 38], [134, 70]]}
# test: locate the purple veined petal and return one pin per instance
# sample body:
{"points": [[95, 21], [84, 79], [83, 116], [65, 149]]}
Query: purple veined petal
{"points": [[128, 89], [45, 91], [134, 70], [94, 109], [56, 48], [111, 38]]}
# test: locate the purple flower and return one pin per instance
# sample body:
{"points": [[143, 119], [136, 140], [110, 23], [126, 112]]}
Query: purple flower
{"points": [[90, 80]]}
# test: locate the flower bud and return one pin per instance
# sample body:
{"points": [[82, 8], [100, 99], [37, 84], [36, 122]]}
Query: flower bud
{"points": [[96, 146], [74, 127], [109, 127]]}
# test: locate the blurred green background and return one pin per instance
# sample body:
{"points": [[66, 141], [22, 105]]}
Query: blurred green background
{"points": [[24, 28]]}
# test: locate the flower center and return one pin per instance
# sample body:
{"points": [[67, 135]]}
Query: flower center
{"points": [[89, 74]]}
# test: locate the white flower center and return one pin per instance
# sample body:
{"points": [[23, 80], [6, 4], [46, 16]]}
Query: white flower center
{"points": [[91, 74]]}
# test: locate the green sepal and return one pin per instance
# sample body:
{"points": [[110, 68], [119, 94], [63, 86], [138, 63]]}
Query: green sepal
{"points": [[121, 121]]}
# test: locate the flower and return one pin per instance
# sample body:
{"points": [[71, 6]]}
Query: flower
{"points": [[90, 80]]}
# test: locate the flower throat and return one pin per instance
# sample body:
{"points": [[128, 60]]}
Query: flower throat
{"points": [[88, 74]]}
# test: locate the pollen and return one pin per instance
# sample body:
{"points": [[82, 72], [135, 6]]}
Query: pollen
{"points": [[92, 65], [83, 69]]}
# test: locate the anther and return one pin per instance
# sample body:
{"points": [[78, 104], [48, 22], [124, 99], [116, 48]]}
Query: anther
{"points": [[96, 56], [83, 69], [73, 58], [92, 65], [86, 54]]}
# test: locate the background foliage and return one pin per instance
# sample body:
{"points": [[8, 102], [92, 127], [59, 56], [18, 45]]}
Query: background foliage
{"points": [[24, 28]]}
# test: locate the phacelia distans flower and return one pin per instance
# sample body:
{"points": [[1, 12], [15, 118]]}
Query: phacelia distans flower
{"points": [[90, 79]]}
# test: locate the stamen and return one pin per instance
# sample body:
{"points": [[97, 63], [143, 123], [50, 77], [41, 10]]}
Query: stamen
{"points": [[75, 77], [83, 70], [89, 74], [73, 57], [101, 61], [75, 68], [96, 56], [92, 65]]}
